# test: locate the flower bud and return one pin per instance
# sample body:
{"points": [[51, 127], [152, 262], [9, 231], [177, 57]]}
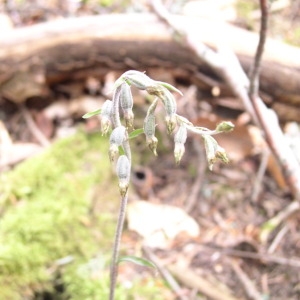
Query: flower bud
{"points": [[180, 139], [178, 152], [126, 103], [171, 123], [129, 118], [156, 90], [116, 139], [181, 135], [113, 152], [106, 116], [213, 151], [126, 100], [149, 130], [149, 127], [138, 79], [106, 108], [166, 97], [221, 154], [105, 125], [225, 126], [169, 103], [118, 135], [152, 144], [211, 146], [123, 173]]}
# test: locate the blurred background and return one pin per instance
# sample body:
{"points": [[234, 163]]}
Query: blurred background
{"points": [[230, 233]]}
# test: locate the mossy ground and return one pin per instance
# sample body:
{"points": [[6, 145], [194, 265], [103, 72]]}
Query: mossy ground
{"points": [[60, 204]]}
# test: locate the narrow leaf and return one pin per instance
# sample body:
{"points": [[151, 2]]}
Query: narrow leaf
{"points": [[138, 261], [92, 113], [136, 133], [169, 87]]}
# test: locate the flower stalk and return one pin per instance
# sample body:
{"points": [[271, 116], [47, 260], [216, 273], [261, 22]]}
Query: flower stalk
{"points": [[119, 138]]}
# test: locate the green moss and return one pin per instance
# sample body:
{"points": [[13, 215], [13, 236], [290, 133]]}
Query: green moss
{"points": [[244, 9], [89, 281], [46, 204], [62, 204], [293, 37]]}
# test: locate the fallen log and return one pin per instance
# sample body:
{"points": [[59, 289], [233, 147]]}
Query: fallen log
{"points": [[67, 49]]}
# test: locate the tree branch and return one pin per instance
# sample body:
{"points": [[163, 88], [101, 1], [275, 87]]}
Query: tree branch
{"points": [[254, 76], [226, 65]]}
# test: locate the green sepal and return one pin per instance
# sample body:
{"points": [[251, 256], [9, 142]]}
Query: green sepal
{"points": [[121, 150]]}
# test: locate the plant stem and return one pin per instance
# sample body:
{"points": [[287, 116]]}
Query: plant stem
{"points": [[116, 247], [122, 211]]}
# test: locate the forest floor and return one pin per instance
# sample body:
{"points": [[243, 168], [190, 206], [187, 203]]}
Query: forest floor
{"points": [[241, 236]]}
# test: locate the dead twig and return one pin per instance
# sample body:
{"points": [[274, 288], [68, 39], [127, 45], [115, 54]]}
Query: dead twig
{"points": [[165, 274], [270, 225], [226, 65], [254, 75], [283, 231], [36, 132], [191, 279], [291, 262], [268, 120], [265, 257], [247, 283], [257, 186]]}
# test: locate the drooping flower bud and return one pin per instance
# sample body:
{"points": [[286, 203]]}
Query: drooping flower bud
{"points": [[152, 144], [129, 118], [221, 154], [213, 151], [118, 135], [171, 123], [156, 90], [179, 150], [116, 139], [225, 126], [138, 79], [211, 146], [180, 139], [105, 125], [126, 102], [106, 116], [123, 173], [166, 97], [149, 127], [169, 103], [113, 152]]}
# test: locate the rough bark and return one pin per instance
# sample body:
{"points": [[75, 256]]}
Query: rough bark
{"points": [[43, 54]]}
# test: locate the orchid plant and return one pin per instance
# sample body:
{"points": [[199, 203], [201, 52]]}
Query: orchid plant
{"points": [[122, 130]]}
